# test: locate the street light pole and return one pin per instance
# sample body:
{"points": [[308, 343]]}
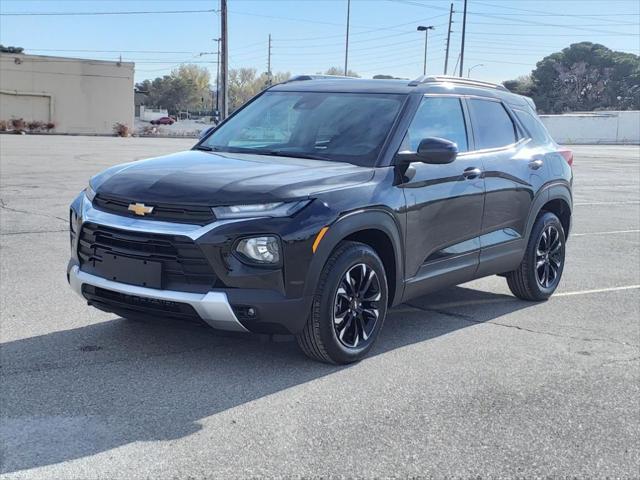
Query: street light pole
{"points": [[217, 40], [424, 29], [224, 60], [471, 68], [346, 45]]}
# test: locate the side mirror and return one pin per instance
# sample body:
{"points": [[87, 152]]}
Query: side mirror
{"points": [[206, 131], [437, 151]]}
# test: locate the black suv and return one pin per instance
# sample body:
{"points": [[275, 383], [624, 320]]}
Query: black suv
{"points": [[325, 201]]}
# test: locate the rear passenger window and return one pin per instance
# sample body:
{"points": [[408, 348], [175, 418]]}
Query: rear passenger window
{"points": [[534, 126], [437, 117], [492, 125]]}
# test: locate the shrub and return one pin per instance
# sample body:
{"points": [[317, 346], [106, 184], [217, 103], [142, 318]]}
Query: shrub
{"points": [[4, 125], [149, 130], [49, 126], [121, 130], [18, 124], [35, 125]]}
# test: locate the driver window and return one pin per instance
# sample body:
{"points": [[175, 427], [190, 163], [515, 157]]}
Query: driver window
{"points": [[437, 117]]}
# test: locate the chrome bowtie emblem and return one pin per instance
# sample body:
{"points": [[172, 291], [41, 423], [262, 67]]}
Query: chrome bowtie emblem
{"points": [[140, 209]]}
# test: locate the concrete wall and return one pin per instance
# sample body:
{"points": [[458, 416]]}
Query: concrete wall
{"points": [[79, 96], [595, 127], [147, 114]]}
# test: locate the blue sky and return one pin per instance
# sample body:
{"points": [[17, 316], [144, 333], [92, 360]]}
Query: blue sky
{"points": [[507, 37]]}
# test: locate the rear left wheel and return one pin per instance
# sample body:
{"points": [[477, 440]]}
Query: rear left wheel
{"points": [[349, 306], [540, 271]]}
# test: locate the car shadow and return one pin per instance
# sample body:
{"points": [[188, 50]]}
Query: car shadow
{"points": [[80, 392]]}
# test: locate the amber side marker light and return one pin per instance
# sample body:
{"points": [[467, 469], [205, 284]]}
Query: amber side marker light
{"points": [[318, 239]]}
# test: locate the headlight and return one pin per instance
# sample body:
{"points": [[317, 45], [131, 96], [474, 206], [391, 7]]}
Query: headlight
{"points": [[274, 209], [89, 192], [264, 250]]}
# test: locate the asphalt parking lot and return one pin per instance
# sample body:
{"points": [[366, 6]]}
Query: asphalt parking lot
{"points": [[465, 382]]}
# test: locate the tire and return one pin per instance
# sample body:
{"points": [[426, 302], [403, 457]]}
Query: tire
{"points": [[545, 255], [346, 318]]}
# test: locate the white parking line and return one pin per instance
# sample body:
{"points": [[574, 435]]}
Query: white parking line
{"points": [[613, 232], [596, 290], [628, 202], [505, 298]]}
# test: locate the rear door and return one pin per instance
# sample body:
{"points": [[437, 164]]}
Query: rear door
{"points": [[444, 202], [513, 174]]}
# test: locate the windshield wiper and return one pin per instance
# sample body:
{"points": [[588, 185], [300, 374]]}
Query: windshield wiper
{"points": [[284, 153], [261, 151], [204, 148]]}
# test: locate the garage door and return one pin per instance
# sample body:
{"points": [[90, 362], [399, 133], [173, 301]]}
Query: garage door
{"points": [[27, 107]]}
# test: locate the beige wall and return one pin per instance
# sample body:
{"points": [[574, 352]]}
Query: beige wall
{"points": [[79, 96]]}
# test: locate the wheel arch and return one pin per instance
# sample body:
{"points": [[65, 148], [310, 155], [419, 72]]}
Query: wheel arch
{"points": [[377, 228], [555, 198]]}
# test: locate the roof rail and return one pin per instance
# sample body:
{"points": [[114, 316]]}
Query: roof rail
{"points": [[462, 81], [303, 77]]}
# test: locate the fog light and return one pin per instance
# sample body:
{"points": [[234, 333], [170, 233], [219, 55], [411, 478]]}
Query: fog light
{"points": [[245, 312], [260, 249]]}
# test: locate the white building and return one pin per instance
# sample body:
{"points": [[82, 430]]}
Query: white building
{"points": [[78, 96]]}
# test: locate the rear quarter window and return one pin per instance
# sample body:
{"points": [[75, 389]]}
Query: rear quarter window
{"points": [[492, 125], [534, 126]]}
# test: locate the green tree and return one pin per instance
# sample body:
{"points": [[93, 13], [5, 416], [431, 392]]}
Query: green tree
{"points": [[583, 77], [245, 83], [340, 72], [522, 85], [186, 88]]}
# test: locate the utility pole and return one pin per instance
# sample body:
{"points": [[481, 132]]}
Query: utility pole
{"points": [[217, 40], [464, 28], [224, 60], [269, 62], [346, 45], [446, 56]]}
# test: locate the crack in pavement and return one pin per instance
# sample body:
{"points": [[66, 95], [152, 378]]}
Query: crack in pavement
{"points": [[34, 231], [470, 319], [4, 206]]}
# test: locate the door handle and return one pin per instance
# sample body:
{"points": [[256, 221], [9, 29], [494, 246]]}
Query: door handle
{"points": [[471, 172], [535, 164]]}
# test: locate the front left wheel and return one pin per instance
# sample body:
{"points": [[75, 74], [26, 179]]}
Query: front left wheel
{"points": [[349, 306]]}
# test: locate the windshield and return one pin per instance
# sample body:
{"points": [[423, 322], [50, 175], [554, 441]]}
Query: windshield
{"points": [[344, 127]]}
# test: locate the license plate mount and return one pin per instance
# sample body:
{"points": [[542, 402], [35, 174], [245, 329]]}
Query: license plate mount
{"points": [[133, 271]]}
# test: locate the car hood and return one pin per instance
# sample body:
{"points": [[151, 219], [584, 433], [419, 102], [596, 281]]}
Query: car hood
{"points": [[207, 178]]}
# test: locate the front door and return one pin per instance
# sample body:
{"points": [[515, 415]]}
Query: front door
{"points": [[444, 202]]}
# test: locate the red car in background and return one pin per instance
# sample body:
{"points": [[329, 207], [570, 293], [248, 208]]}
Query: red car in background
{"points": [[163, 121]]}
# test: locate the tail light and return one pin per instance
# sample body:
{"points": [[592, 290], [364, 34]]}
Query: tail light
{"points": [[567, 154]]}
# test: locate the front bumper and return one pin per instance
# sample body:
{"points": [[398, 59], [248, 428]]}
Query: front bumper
{"points": [[280, 307], [212, 307]]}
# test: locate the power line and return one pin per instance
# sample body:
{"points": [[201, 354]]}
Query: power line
{"points": [[27, 49], [73, 14], [542, 24], [363, 32]]}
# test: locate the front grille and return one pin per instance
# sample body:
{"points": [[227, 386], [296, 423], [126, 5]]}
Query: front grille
{"points": [[123, 303], [184, 266], [198, 215]]}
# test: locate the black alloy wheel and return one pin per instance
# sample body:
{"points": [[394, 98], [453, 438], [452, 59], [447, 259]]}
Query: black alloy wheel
{"points": [[549, 256], [356, 305], [349, 306], [540, 271]]}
